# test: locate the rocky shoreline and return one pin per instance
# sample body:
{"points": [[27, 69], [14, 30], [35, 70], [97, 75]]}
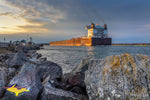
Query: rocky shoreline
{"points": [[120, 77], [26, 68]]}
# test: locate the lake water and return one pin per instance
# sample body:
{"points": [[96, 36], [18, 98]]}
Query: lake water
{"points": [[69, 56]]}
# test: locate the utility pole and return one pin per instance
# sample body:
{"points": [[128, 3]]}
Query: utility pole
{"points": [[4, 41], [27, 37]]}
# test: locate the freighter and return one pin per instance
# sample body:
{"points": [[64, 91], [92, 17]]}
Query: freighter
{"points": [[97, 35]]}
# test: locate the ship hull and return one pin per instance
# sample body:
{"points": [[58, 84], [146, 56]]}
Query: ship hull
{"points": [[84, 41], [101, 41]]}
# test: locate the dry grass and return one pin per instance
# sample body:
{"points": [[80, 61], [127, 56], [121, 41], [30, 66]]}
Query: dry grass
{"points": [[3, 50]]}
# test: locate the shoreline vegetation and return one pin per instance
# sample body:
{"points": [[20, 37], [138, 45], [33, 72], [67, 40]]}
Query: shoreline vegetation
{"points": [[118, 77]]}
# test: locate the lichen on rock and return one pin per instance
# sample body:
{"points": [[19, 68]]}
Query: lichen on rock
{"points": [[119, 77]]}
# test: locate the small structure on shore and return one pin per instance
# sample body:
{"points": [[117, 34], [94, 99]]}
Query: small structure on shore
{"points": [[22, 43]]}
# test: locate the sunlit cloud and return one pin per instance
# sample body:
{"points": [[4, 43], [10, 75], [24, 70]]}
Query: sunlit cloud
{"points": [[6, 14], [34, 15]]}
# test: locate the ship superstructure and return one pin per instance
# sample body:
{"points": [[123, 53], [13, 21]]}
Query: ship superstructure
{"points": [[97, 31]]}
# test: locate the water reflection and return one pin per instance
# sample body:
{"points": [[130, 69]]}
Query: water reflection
{"points": [[90, 50], [69, 57]]}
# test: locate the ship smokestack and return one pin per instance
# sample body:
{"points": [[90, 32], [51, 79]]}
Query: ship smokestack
{"points": [[92, 25], [105, 26]]}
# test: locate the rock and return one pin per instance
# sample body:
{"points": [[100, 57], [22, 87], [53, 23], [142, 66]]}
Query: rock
{"points": [[11, 72], [75, 80], [78, 73], [10, 55], [31, 53], [51, 93], [43, 59], [3, 81], [25, 50], [77, 90], [119, 77], [82, 66], [3, 58], [29, 79], [17, 59], [18, 48], [33, 47], [50, 70], [39, 55]]}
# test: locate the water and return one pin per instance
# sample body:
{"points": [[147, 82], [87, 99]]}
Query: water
{"points": [[68, 57]]}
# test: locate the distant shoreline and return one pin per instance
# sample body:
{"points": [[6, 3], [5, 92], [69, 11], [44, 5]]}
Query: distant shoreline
{"points": [[131, 44], [124, 44]]}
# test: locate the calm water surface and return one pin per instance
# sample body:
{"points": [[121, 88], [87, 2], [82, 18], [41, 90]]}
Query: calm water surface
{"points": [[68, 57]]}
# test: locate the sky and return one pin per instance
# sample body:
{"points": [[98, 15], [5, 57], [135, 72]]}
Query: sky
{"points": [[52, 20]]}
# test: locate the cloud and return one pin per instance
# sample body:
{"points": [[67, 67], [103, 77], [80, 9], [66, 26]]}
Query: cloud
{"points": [[144, 28], [6, 14], [36, 9], [39, 16], [33, 29]]}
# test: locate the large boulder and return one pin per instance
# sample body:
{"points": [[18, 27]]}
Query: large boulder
{"points": [[74, 81], [51, 93], [21, 48], [32, 54], [76, 77], [29, 79], [3, 58], [3, 81], [49, 71], [119, 77], [17, 59], [11, 72]]}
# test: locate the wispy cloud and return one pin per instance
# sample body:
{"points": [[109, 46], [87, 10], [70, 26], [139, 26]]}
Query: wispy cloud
{"points": [[144, 28], [6, 14], [36, 9]]}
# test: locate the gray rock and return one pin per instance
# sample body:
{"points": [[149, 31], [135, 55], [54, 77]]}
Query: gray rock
{"points": [[120, 77], [11, 72], [39, 55], [76, 77], [29, 79], [78, 73], [51, 93], [82, 66], [43, 59], [31, 51], [74, 81], [17, 59], [31, 54], [3, 81], [49, 71], [3, 58], [10, 55], [18, 48]]}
